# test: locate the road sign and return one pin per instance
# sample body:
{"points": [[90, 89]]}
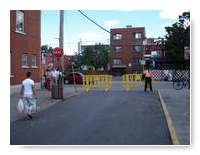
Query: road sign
{"points": [[58, 52]]}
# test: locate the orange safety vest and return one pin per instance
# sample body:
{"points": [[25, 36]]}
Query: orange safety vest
{"points": [[148, 74]]}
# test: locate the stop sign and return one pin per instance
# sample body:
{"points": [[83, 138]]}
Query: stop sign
{"points": [[58, 52]]}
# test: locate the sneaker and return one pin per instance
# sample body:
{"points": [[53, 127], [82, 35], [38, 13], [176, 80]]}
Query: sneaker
{"points": [[29, 115]]}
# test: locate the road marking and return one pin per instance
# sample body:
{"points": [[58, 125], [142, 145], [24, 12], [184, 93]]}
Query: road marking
{"points": [[170, 125]]}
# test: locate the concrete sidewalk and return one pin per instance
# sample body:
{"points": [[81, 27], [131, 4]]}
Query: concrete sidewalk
{"points": [[44, 100], [178, 105]]}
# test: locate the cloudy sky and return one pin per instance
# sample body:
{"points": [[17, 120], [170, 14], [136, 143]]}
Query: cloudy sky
{"points": [[77, 27]]}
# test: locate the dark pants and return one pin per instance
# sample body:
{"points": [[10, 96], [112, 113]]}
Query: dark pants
{"points": [[148, 81]]}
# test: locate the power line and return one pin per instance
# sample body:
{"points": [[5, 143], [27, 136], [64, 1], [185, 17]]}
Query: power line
{"points": [[129, 39], [94, 22]]}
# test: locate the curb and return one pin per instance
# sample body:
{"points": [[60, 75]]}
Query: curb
{"points": [[170, 125]]}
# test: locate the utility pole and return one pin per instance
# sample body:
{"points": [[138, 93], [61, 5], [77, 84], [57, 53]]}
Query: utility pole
{"points": [[60, 60]]}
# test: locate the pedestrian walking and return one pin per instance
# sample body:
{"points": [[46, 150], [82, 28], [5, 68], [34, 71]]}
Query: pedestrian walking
{"points": [[28, 95], [48, 79], [148, 80]]}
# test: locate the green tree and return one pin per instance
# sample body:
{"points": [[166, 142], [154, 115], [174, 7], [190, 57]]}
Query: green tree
{"points": [[96, 56], [101, 56], [46, 48], [178, 36]]}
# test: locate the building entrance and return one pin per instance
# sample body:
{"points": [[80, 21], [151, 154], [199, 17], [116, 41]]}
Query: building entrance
{"points": [[118, 71]]}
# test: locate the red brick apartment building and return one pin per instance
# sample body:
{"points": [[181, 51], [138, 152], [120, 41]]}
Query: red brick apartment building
{"points": [[24, 45], [127, 49]]}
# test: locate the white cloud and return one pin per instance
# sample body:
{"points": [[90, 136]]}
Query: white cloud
{"points": [[170, 14], [69, 49], [111, 23], [162, 26], [148, 36], [89, 36]]}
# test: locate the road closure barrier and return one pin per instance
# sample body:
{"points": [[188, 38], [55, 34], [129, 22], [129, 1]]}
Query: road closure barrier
{"points": [[90, 81], [134, 80]]}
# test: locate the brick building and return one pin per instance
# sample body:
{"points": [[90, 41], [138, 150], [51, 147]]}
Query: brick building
{"points": [[49, 62], [152, 50], [67, 60], [127, 49], [24, 45]]}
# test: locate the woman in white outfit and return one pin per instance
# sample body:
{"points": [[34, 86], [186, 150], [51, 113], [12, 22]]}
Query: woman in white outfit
{"points": [[28, 95]]}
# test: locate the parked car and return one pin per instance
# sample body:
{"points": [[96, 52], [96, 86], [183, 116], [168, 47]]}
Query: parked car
{"points": [[68, 78]]}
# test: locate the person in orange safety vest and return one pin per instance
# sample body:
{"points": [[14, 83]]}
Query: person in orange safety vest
{"points": [[148, 80]]}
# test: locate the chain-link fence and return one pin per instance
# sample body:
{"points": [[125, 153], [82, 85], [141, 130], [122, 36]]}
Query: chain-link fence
{"points": [[170, 75]]}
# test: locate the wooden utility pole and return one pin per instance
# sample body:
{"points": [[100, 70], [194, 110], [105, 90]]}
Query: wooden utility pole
{"points": [[60, 60]]}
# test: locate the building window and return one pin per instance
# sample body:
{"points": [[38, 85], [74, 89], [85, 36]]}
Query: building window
{"points": [[156, 54], [117, 36], [20, 21], [117, 48], [138, 48], [33, 60], [24, 60], [137, 35], [117, 61], [136, 61]]}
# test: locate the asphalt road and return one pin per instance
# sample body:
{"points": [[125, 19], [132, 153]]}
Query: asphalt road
{"points": [[96, 118]]}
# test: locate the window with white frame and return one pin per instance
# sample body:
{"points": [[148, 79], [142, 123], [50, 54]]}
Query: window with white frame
{"points": [[117, 36], [24, 60], [117, 61], [33, 60], [117, 49], [137, 35], [138, 48], [136, 61], [20, 21]]}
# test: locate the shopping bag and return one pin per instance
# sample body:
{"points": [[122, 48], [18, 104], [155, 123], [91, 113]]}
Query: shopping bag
{"points": [[35, 107], [20, 105]]}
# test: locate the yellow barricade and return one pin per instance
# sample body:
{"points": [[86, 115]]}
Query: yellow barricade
{"points": [[97, 81], [134, 80]]}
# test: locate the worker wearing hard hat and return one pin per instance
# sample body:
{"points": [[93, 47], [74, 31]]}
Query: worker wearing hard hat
{"points": [[148, 80]]}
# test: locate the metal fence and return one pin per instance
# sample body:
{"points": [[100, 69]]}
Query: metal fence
{"points": [[169, 75], [90, 81], [134, 80]]}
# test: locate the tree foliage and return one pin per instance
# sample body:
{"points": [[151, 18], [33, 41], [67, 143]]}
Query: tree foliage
{"points": [[46, 48], [96, 56], [178, 36]]}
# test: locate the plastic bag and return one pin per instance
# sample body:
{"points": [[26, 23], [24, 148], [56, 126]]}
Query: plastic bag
{"points": [[20, 105], [34, 106]]}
